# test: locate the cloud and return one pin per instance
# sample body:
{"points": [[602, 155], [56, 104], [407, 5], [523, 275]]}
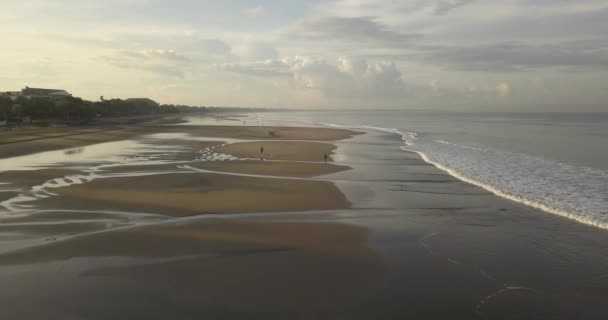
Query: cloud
{"points": [[255, 51], [255, 11], [345, 79], [268, 68], [503, 89], [213, 47], [348, 78], [391, 10], [354, 29], [521, 56], [435, 85], [446, 46], [163, 62], [445, 6]]}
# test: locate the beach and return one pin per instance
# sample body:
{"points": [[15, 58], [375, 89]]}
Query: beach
{"points": [[188, 221]]}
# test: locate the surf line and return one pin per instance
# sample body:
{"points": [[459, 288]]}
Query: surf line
{"points": [[409, 138], [518, 199]]}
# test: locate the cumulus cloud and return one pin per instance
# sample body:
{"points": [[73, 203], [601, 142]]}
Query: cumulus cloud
{"points": [[346, 78], [164, 62], [438, 41]]}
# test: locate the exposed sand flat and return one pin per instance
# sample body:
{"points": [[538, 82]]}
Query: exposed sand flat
{"points": [[191, 193], [288, 169], [266, 133], [71, 138], [19, 143], [22, 135], [280, 150], [194, 193]]}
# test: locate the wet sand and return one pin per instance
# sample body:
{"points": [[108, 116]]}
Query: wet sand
{"points": [[180, 190], [280, 150], [192, 194], [202, 237], [211, 268], [15, 143], [404, 241], [278, 169]]}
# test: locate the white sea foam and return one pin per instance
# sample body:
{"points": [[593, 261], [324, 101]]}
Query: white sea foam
{"points": [[580, 216], [574, 192]]}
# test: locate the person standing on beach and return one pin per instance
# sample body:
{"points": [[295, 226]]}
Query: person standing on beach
{"points": [[325, 156], [262, 153]]}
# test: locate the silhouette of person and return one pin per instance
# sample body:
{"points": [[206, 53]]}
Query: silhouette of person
{"points": [[325, 156], [262, 153]]}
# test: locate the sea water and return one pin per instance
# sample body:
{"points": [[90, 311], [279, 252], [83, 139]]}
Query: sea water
{"points": [[557, 162]]}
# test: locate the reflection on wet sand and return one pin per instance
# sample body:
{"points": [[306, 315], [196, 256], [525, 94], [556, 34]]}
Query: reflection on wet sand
{"points": [[200, 269], [403, 239], [148, 175]]}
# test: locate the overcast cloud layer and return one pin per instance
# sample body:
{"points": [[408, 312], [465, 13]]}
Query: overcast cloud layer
{"points": [[490, 55]]}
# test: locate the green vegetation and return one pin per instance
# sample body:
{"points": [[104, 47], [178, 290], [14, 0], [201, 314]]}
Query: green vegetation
{"points": [[73, 110]]}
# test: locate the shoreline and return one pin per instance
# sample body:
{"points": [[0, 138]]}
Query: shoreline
{"points": [[573, 216], [12, 145], [169, 182], [504, 195], [385, 235], [94, 135], [99, 135]]}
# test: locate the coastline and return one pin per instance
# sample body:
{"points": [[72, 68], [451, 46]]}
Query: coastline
{"points": [[409, 138], [574, 217], [180, 189], [374, 233]]}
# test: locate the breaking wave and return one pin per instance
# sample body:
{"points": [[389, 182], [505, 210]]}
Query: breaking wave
{"points": [[571, 191]]}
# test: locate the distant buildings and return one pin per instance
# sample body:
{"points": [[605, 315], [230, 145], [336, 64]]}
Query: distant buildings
{"points": [[37, 93], [44, 93]]}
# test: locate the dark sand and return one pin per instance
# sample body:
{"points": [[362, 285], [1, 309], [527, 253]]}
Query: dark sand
{"points": [[17, 143], [416, 244], [210, 269]]}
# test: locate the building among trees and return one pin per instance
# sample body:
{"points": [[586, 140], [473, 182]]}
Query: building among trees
{"points": [[44, 93], [30, 93], [44, 106]]}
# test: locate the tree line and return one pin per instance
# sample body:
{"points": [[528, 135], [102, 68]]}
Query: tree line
{"points": [[77, 110]]}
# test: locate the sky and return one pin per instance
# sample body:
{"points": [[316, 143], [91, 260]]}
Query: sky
{"points": [[458, 55]]}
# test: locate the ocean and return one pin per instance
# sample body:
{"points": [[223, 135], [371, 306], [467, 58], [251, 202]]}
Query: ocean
{"points": [[556, 162]]}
